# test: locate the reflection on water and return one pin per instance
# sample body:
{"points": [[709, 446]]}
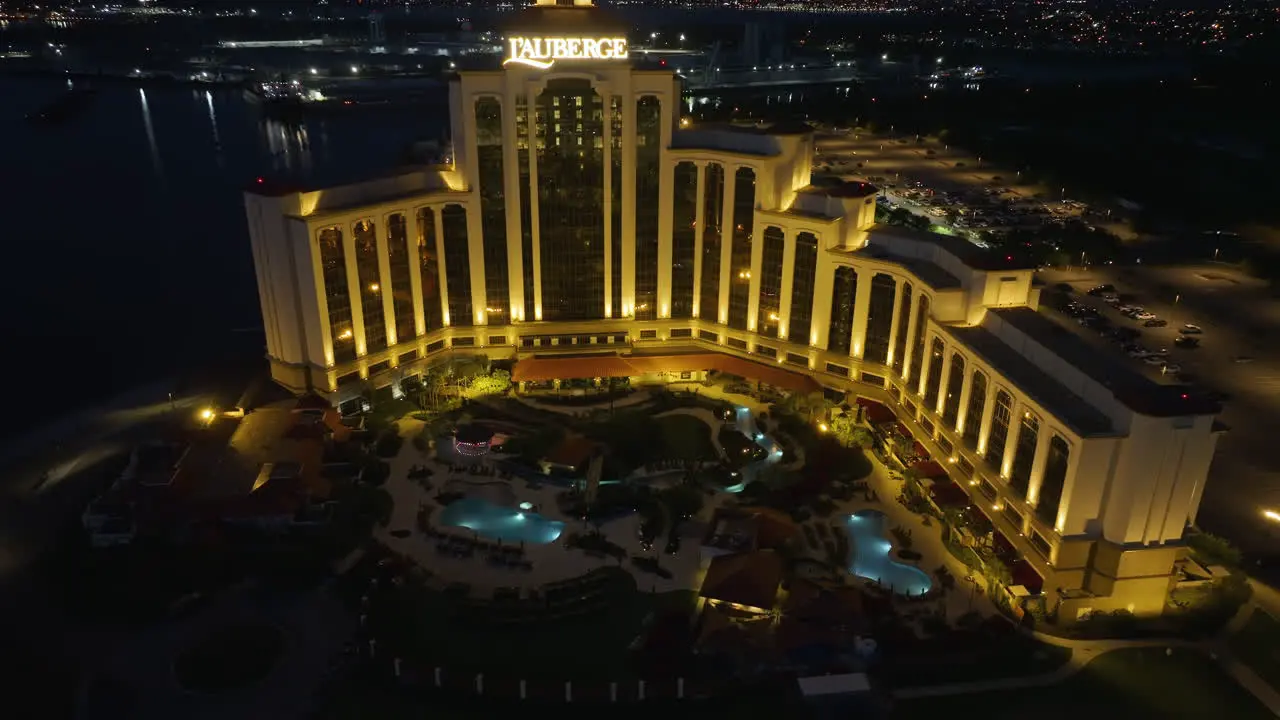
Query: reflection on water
{"points": [[287, 144], [213, 122], [151, 134]]}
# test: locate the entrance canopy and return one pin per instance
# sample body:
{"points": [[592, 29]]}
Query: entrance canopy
{"points": [[606, 366]]}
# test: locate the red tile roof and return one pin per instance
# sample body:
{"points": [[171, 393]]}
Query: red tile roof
{"points": [[749, 579]]}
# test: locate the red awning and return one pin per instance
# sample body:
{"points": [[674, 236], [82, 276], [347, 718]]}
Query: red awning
{"points": [[929, 468], [920, 450], [877, 413], [950, 495], [1024, 574], [903, 431]]}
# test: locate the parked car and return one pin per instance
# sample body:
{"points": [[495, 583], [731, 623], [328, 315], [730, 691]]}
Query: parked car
{"points": [[1145, 315], [1099, 289], [1153, 360], [1186, 342], [1190, 329], [1241, 359], [1155, 322], [1172, 368]]}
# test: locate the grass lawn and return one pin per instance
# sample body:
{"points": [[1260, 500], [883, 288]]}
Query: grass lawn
{"points": [[1258, 646], [592, 646], [685, 437], [1134, 683]]}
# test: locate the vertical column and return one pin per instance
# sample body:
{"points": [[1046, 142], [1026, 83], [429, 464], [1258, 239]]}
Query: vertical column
{"points": [[861, 306], [321, 300], [820, 310], [893, 325], [911, 335], [511, 194], [607, 214], [1011, 443], [1038, 464], [753, 285], [411, 231], [353, 286], [697, 239], [943, 379], [726, 243], [966, 390], [533, 210], [629, 204], [387, 292], [475, 256], [788, 269], [988, 411], [438, 215], [666, 185], [925, 363]]}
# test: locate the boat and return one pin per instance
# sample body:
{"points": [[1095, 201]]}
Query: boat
{"points": [[66, 106]]}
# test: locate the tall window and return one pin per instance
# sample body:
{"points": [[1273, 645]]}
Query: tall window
{"points": [[684, 208], [802, 289], [457, 264], [493, 210], [880, 318], [1025, 454], [429, 269], [570, 159], [648, 151], [712, 236], [1000, 417], [744, 205], [770, 282], [977, 406], [1055, 478], [337, 296], [933, 383], [375, 321], [904, 323], [844, 289], [526, 204], [615, 204], [955, 383], [401, 284], [917, 343]]}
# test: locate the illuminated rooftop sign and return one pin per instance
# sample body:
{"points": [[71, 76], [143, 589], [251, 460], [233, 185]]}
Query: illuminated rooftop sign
{"points": [[543, 52]]}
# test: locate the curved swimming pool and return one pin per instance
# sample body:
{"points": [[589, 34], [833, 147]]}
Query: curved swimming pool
{"points": [[870, 559], [499, 522]]}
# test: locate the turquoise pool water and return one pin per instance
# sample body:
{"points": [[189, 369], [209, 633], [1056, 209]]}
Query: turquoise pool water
{"points": [[871, 550], [499, 522]]}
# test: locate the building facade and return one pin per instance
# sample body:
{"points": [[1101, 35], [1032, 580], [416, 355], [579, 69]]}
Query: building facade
{"points": [[580, 215]]}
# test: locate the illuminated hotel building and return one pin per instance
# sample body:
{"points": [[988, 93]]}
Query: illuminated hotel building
{"points": [[578, 218]]}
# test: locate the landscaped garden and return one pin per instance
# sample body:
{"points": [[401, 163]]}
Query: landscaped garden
{"points": [[229, 658], [1133, 682]]}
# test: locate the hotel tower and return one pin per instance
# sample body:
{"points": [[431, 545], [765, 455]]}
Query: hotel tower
{"points": [[583, 230]]}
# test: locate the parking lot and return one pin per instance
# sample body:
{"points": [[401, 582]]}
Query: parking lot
{"points": [[948, 186], [1236, 358]]}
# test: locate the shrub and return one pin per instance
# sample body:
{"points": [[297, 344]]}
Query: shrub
{"points": [[1214, 550]]}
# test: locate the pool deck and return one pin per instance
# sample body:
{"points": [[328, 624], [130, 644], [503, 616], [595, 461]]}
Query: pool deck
{"points": [[551, 562]]}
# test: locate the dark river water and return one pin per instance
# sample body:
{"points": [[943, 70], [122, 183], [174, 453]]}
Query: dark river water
{"points": [[127, 254]]}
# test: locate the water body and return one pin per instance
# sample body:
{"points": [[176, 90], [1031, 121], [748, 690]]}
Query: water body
{"points": [[127, 250]]}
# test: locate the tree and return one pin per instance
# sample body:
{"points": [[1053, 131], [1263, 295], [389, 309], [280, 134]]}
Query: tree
{"points": [[495, 383]]}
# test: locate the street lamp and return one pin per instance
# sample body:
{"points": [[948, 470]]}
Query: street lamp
{"points": [[1271, 515]]}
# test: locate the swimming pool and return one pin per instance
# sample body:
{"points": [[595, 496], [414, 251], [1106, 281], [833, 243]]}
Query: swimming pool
{"points": [[871, 550], [499, 522]]}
